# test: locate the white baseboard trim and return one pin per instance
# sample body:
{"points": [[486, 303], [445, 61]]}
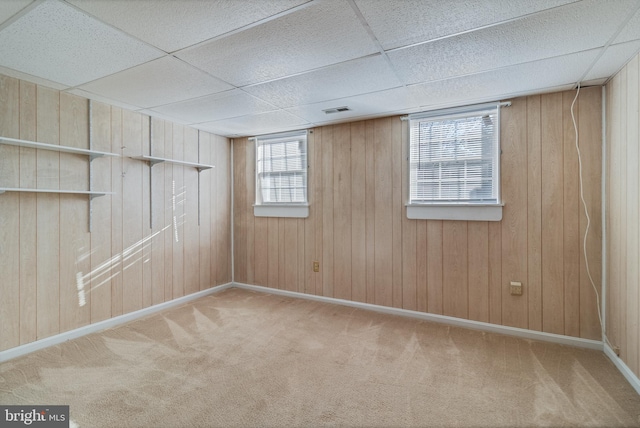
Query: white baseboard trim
{"points": [[623, 368], [458, 322], [19, 351]]}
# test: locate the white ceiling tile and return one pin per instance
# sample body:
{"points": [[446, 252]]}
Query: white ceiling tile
{"points": [[322, 34], [162, 81], [530, 78], [214, 107], [29, 78], [171, 25], [10, 8], [355, 77], [163, 117], [57, 42], [415, 21], [613, 59], [631, 31], [106, 100], [571, 28], [275, 121], [383, 102]]}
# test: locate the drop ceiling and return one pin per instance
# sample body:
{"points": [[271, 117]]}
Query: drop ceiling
{"points": [[249, 67]]}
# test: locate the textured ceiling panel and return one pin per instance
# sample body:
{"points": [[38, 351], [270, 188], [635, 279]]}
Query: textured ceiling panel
{"points": [[360, 76], [613, 59], [56, 42], [540, 36], [214, 107], [10, 8], [319, 35], [30, 78], [172, 25], [631, 31], [421, 20], [383, 102], [510, 81], [163, 81], [275, 121], [106, 100]]}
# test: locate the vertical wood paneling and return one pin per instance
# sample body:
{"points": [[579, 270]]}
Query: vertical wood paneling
{"points": [[327, 144], [552, 212], [158, 197], [383, 239], [204, 232], [358, 214], [513, 136], [250, 185], [48, 218], [240, 211], [369, 251], [397, 209], [169, 201], [478, 270], [191, 228], [132, 221], [422, 266], [178, 212], [612, 201], [290, 250], [45, 245], [28, 221], [273, 252], [409, 256], [74, 217], [101, 272], [319, 202], [220, 210], [590, 131], [9, 216], [435, 266], [633, 214], [455, 298], [623, 215], [571, 227], [117, 210], [370, 203], [261, 251], [342, 220], [495, 272], [534, 213], [147, 239], [282, 254], [309, 224]]}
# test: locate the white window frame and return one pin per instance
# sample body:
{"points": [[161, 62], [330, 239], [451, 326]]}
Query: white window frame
{"points": [[451, 209], [281, 209]]}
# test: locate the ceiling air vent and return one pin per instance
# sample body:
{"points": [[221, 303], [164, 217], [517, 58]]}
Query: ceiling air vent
{"points": [[336, 110]]}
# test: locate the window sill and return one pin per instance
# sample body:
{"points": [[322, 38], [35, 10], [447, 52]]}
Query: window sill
{"points": [[455, 212], [292, 211]]}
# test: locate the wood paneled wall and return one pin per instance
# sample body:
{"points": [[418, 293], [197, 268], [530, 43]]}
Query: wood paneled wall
{"points": [[623, 214], [125, 265], [370, 252]]}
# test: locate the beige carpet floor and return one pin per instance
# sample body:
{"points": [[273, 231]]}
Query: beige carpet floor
{"points": [[241, 358]]}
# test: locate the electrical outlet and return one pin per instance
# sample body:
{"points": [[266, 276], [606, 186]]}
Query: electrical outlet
{"points": [[515, 288], [316, 266]]}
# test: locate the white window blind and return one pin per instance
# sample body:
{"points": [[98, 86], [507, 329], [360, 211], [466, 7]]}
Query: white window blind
{"points": [[455, 157], [281, 169]]}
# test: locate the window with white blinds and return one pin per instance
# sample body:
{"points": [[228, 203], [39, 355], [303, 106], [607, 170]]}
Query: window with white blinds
{"points": [[454, 158], [281, 170]]}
